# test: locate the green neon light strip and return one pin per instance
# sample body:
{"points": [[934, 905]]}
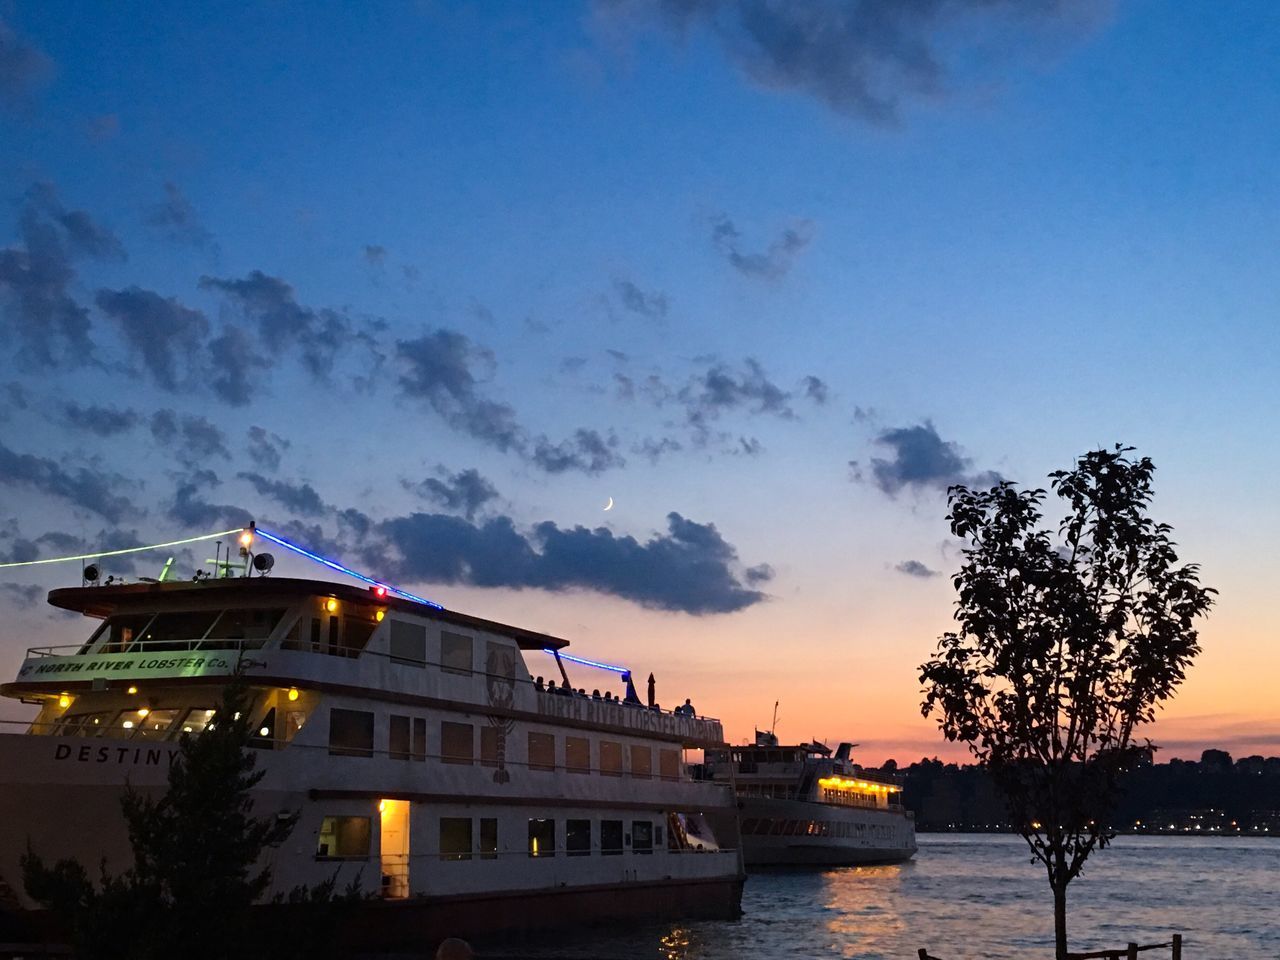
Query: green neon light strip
{"points": [[116, 553]]}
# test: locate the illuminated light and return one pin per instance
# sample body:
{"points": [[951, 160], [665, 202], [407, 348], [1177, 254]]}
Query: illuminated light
{"points": [[293, 693], [534, 849], [246, 539], [210, 713], [264, 732], [585, 662], [143, 711], [380, 615], [132, 690], [64, 700], [96, 721], [128, 724], [334, 565], [382, 806], [1035, 824], [117, 553], [379, 590], [331, 605]]}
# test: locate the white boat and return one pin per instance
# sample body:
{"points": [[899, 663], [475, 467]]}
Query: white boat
{"points": [[414, 742], [799, 805]]}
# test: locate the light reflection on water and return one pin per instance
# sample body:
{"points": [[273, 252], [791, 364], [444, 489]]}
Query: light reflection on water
{"points": [[971, 896]]}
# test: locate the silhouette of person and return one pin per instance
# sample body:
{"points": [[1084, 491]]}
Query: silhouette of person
{"points": [[652, 687]]}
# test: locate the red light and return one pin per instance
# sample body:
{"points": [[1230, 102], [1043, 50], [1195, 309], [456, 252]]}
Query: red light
{"points": [[379, 591]]}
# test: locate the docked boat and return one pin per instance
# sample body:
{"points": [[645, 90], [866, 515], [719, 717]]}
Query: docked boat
{"points": [[801, 805], [420, 748]]}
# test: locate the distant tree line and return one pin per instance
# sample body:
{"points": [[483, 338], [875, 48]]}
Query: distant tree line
{"points": [[1213, 795]]}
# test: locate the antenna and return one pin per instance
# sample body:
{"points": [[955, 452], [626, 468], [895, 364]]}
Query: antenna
{"points": [[774, 727]]}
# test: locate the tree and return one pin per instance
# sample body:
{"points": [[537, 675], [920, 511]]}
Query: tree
{"points": [[194, 875], [1068, 642]]}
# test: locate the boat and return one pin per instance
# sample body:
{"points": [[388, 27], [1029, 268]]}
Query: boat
{"points": [[801, 805], [420, 748]]}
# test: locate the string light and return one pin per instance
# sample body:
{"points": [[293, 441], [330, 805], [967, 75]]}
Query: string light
{"points": [[117, 553], [585, 662], [334, 565]]}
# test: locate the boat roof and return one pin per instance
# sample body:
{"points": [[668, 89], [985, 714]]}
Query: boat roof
{"points": [[103, 601]]}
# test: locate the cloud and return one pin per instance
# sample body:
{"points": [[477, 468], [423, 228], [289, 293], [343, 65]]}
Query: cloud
{"points": [[464, 492], [23, 596], [775, 261], [922, 460], [103, 421], [91, 490], [51, 328], [178, 221], [719, 389], [375, 255], [586, 451], [266, 448], [653, 449], [914, 568], [690, 569], [860, 58], [650, 305], [234, 358], [191, 438], [816, 390], [161, 330], [23, 68], [192, 510], [299, 498]]}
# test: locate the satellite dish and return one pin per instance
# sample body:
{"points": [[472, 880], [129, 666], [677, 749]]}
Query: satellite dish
{"points": [[263, 562], [91, 573]]}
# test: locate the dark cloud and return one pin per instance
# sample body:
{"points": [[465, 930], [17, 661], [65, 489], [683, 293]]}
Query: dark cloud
{"points": [[691, 568], [178, 221], [914, 568], [749, 447], [655, 448], [23, 68], [586, 451], [922, 460], [297, 497], [774, 262], [650, 305], [571, 365], [720, 389], [266, 448], [191, 438], [161, 330], [861, 58], [463, 492], [91, 490], [50, 327], [192, 510], [22, 595], [103, 421], [375, 255], [21, 551], [234, 358], [816, 390]]}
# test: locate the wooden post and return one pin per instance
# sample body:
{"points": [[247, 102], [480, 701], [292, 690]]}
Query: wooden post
{"points": [[1133, 951], [924, 954], [1177, 946]]}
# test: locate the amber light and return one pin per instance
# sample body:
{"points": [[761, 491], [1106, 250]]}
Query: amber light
{"points": [[246, 539], [331, 605], [142, 712], [132, 691], [380, 615], [64, 700], [293, 693]]}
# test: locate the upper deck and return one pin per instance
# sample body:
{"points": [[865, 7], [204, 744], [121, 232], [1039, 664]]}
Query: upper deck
{"points": [[326, 637]]}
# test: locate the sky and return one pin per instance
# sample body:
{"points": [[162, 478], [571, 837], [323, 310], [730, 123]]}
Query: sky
{"points": [[426, 286]]}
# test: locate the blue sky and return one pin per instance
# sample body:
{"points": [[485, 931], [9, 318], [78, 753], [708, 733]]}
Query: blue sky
{"points": [[697, 262]]}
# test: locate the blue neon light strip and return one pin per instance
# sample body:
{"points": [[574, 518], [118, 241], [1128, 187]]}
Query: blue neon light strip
{"points": [[585, 662], [334, 565]]}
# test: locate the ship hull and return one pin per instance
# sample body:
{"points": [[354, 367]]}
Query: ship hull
{"points": [[803, 833]]}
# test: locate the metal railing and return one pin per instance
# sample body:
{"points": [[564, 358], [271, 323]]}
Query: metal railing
{"points": [[1128, 952]]}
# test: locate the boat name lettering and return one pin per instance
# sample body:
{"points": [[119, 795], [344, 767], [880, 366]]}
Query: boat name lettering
{"points": [[140, 756], [597, 711], [132, 663]]}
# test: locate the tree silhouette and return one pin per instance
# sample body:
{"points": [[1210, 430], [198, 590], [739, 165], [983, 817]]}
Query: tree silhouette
{"points": [[1068, 643]]}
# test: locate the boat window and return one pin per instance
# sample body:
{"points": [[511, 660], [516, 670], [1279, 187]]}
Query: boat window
{"points": [[356, 633], [344, 838], [610, 758], [542, 838], [457, 742], [293, 721], [398, 737], [455, 838], [177, 630], [197, 719], [577, 754], [488, 838], [641, 762], [248, 625], [455, 652], [669, 764], [577, 838], [264, 734], [156, 724], [408, 642], [419, 738], [120, 631], [350, 733], [641, 836], [124, 725], [84, 724], [489, 746], [610, 837], [542, 751]]}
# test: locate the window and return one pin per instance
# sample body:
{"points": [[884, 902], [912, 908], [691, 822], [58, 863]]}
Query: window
{"points": [[488, 838], [610, 837], [641, 836], [542, 838], [577, 754], [399, 744], [641, 762], [293, 721], [350, 733], [455, 838], [419, 738], [457, 742], [175, 631], [577, 838], [542, 751], [344, 837], [246, 625], [489, 746], [455, 652], [669, 764], [264, 734], [409, 642], [156, 724], [356, 632], [197, 719], [610, 758]]}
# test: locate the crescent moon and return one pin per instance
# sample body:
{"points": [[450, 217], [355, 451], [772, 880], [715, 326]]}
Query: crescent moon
{"points": [[609, 505]]}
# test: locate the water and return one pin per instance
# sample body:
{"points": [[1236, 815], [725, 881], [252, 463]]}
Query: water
{"points": [[975, 896]]}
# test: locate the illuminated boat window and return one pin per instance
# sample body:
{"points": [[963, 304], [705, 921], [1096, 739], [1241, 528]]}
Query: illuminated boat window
{"points": [[196, 720], [156, 724], [344, 838]]}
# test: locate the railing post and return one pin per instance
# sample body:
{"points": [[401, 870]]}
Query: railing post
{"points": [[1177, 946], [1133, 951], [924, 954]]}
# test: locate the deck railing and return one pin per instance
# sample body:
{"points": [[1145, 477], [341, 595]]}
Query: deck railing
{"points": [[1128, 952]]}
